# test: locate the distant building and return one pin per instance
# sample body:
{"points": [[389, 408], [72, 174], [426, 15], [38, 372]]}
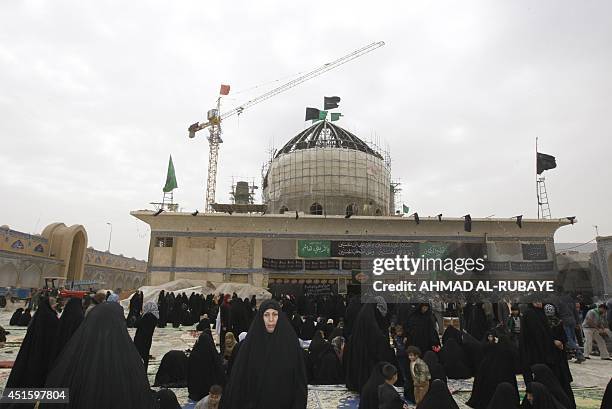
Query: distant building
{"points": [[587, 269], [604, 261], [329, 207], [61, 251], [284, 253]]}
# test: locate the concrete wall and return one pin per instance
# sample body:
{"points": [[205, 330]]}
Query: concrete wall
{"points": [[604, 262], [222, 247]]}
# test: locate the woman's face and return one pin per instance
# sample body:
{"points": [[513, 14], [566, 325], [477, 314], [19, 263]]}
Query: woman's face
{"points": [[270, 318]]}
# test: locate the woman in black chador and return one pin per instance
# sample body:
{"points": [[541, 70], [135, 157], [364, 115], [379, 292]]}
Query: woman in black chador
{"points": [[475, 320], [330, 370], [606, 402], [455, 361], [421, 329], [101, 366], [438, 397], [15, 317], [134, 310], [204, 367], [539, 397], [318, 345], [145, 326], [24, 318], [269, 370], [436, 369], [69, 322], [539, 345], [497, 366], [369, 344], [368, 398], [561, 368], [35, 355], [543, 375], [172, 372], [162, 307], [504, 397]]}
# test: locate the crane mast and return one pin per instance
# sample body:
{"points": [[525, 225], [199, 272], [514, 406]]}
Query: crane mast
{"points": [[214, 117]]}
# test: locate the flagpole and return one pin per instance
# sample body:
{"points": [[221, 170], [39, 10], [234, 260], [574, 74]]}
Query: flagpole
{"points": [[536, 175]]}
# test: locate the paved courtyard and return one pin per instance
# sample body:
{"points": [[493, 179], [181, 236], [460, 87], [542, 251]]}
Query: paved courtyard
{"points": [[590, 379]]}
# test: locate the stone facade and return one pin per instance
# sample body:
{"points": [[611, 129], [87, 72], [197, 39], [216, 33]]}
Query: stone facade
{"points": [[265, 250], [603, 259], [61, 251]]}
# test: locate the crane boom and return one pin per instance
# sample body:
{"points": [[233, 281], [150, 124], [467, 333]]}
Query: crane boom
{"points": [[214, 120]]}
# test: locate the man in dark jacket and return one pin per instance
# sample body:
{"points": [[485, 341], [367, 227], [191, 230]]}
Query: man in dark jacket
{"points": [[570, 320]]}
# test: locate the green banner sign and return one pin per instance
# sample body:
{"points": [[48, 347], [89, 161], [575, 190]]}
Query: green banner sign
{"points": [[314, 248]]}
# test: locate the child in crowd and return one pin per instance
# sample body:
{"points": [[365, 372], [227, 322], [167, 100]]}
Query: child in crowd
{"points": [[388, 398], [210, 401], [420, 373], [400, 342], [514, 324]]}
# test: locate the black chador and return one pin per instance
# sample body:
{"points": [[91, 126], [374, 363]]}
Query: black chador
{"points": [[100, 365], [369, 344], [35, 355], [269, 370]]}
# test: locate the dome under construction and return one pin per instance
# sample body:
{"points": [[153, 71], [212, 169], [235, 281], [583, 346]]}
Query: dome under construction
{"points": [[327, 170]]}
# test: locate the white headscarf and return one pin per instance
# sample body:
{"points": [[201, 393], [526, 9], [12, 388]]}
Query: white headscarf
{"points": [[151, 307], [242, 336]]}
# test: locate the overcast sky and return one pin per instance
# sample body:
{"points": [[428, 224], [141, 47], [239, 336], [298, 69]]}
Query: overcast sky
{"points": [[94, 97]]}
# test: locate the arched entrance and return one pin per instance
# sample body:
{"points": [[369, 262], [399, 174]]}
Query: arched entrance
{"points": [[8, 275], [77, 253]]}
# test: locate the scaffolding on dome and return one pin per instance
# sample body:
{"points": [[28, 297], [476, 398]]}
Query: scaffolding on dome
{"points": [[327, 170]]}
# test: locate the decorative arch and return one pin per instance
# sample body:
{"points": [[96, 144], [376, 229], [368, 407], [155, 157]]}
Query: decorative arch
{"points": [[69, 245], [351, 210], [17, 245], [77, 256], [316, 209]]}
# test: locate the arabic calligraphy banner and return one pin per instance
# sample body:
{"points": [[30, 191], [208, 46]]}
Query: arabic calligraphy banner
{"points": [[317, 289], [373, 248], [314, 248]]}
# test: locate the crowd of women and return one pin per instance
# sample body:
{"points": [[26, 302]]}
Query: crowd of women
{"points": [[267, 356]]}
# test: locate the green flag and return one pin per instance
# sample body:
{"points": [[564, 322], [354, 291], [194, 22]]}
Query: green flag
{"points": [[405, 208], [335, 116], [315, 114], [170, 178]]}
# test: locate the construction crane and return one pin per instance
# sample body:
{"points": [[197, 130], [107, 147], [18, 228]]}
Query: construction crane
{"points": [[215, 118]]}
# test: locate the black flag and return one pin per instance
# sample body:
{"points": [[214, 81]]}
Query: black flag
{"points": [[467, 223], [311, 113], [519, 221], [330, 102], [545, 162]]}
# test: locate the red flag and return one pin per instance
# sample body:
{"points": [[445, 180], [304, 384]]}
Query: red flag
{"points": [[224, 89]]}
